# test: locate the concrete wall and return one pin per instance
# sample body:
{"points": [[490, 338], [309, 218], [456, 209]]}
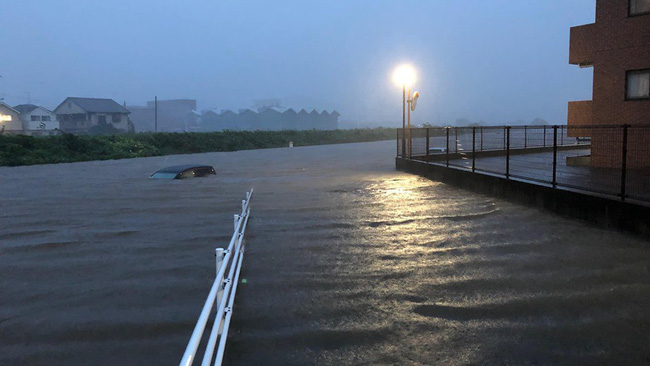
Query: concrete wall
{"points": [[602, 211]]}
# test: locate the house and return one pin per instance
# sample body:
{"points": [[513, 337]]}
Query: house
{"points": [[617, 47], [80, 115], [10, 122], [37, 120]]}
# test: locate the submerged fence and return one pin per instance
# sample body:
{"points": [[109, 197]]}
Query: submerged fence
{"points": [[222, 292], [609, 160]]}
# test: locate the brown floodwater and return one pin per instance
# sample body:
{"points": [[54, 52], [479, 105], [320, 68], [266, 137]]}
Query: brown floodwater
{"points": [[348, 262]]}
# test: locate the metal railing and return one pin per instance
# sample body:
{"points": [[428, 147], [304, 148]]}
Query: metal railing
{"points": [[610, 160], [222, 292]]}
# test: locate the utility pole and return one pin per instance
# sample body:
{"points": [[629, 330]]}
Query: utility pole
{"points": [[155, 104]]}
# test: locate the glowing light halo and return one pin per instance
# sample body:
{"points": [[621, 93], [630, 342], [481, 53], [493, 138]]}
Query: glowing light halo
{"points": [[404, 75]]}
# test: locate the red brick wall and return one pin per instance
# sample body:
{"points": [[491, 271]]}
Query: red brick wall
{"points": [[622, 43], [580, 114]]}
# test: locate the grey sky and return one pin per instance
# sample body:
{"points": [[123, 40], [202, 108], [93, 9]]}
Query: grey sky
{"points": [[496, 60]]}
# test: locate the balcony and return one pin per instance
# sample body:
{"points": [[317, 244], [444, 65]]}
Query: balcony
{"points": [[582, 45]]}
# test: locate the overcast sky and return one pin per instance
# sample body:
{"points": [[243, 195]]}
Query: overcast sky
{"points": [[493, 60]]}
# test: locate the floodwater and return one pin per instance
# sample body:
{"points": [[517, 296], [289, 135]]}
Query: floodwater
{"points": [[348, 262]]}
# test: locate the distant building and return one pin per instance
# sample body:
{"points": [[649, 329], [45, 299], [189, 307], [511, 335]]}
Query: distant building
{"points": [[269, 115], [303, 120], [192, 121], [617, 46], [270, 119], [79, 115], [249, 120], [10, 122], [174, 115], [37, 120], [260, 105]]}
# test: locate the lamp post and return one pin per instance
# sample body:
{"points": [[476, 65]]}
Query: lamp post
{"points": [[409, 101], [404, 76], [403, 120]]}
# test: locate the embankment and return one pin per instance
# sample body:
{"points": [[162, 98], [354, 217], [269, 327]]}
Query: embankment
{"points": [[29, 150]]}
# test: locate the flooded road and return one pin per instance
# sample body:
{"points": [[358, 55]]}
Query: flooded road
{"points": [[348, 262]]}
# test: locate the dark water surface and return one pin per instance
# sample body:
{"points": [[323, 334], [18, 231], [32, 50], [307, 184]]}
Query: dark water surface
{"points": [[348, 262]]}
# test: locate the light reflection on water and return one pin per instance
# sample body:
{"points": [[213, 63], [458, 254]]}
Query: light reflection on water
{"points": [[348, 262]]}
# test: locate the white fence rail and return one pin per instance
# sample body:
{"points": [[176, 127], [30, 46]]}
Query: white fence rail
{"points": [[223, 293]]}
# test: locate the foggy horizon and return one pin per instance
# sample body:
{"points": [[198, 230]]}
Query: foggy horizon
{"points": [[501, 62]]}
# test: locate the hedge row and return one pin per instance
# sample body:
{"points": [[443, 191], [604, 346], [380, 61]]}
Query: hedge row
{"points": [[28, 150]]}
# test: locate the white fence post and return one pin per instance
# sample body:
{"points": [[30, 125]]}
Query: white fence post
{"points": [[222, 293]]}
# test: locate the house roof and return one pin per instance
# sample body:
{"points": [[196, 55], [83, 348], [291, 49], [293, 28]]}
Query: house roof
{"points": [[10, 107], [290, 111], [25, 108], [279, 109], [29, 108], [97, 105], [269, 111], [242, 111]]}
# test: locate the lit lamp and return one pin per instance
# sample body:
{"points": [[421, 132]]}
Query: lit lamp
{"points": [[404, 76]]}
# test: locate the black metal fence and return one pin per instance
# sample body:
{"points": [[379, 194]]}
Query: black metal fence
{"points": [[609, 160]]}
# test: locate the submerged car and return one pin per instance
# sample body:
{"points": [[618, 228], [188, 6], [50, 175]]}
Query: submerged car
{"points": [[184, 171]]}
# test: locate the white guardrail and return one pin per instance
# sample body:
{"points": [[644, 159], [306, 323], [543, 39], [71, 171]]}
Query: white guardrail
{"points": [[223, 292]]}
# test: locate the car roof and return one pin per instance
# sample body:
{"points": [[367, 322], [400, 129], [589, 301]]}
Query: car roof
{"points": [[182, 168]]}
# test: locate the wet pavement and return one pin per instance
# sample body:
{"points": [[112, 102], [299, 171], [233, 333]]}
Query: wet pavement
{"points": [[348, 262]]}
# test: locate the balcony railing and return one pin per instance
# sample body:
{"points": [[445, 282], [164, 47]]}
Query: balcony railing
{"points": [[609, 160]]}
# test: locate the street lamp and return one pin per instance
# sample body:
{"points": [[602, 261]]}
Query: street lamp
{"points": [[404, 76]]}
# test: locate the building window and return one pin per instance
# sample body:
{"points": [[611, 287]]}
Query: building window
{"points": [[36, 118], [5, 118], [101, 119], [117, 118], [638, 84], [45, 118], [638, 7]]}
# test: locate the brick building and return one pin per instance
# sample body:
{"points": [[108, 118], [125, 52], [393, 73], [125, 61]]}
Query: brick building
{"points": [[617, 46]]}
